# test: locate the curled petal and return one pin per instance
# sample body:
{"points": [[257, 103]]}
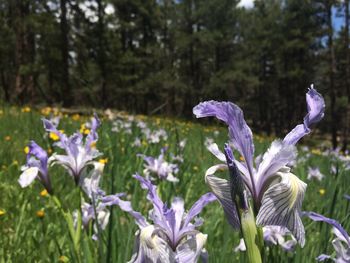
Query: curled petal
{"points": [[28, 176], [239, 131], [315, 108], [214, 149], [190, 250], [221, 189], [281, 205]]}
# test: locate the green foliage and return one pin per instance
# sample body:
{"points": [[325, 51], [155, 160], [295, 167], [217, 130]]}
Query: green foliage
{"points": [[24, 237]]}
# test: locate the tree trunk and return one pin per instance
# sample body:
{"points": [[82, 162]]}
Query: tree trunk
{"points": [[101, 53], [347, 68], [66, 92], [24, 59], [332, 68]]}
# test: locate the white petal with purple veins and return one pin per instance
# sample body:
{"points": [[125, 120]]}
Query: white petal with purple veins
{"points": [[281, 205]]}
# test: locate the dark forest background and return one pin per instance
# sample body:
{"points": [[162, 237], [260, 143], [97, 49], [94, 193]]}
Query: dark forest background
{"points": [[164, 56]]}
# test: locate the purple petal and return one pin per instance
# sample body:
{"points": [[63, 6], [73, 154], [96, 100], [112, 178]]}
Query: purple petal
{"points": [[37, 151], [317, 217], [323, 257], [160, 209], [125, 206], [198, 206], [239, 131], [37, 157], [93, 135], [48, 125], [315, 108], [52, 128]]}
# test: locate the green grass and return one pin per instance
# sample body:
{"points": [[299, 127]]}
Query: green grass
{"points": [[26, 238]]}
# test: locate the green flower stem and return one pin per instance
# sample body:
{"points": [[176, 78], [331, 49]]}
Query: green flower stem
{"points": [[251, 235], [74, 234]]}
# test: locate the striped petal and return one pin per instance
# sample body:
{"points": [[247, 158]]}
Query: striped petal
{"points": [[281, 204], [151, 248], [221, 189], [275, 158], [190, 250]]}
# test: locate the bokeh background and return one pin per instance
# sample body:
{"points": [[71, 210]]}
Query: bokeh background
{"points": [[164, 56]]}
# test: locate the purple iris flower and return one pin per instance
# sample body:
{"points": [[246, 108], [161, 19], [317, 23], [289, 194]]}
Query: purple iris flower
{"points": [[341, 243], [172, 237], [79, 153], [314, 173], [158, 166], [36, 167], [99, 214], [277, 194], [94, 211]]}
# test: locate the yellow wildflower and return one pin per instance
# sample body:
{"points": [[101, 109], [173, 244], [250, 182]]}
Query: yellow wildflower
{"points": [[45, 111], [40, 213], [7, 138], [75, 117], [322, 191], [63, 259], [316, 151], [103, 161], [82, 128], [43, 193], [26, 150], [93, 145], [53, 136], [26, 109], [86, 131], [2, 212]]}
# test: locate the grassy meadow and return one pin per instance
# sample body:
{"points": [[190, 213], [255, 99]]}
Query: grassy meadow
{"points": [[32, 229]]}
